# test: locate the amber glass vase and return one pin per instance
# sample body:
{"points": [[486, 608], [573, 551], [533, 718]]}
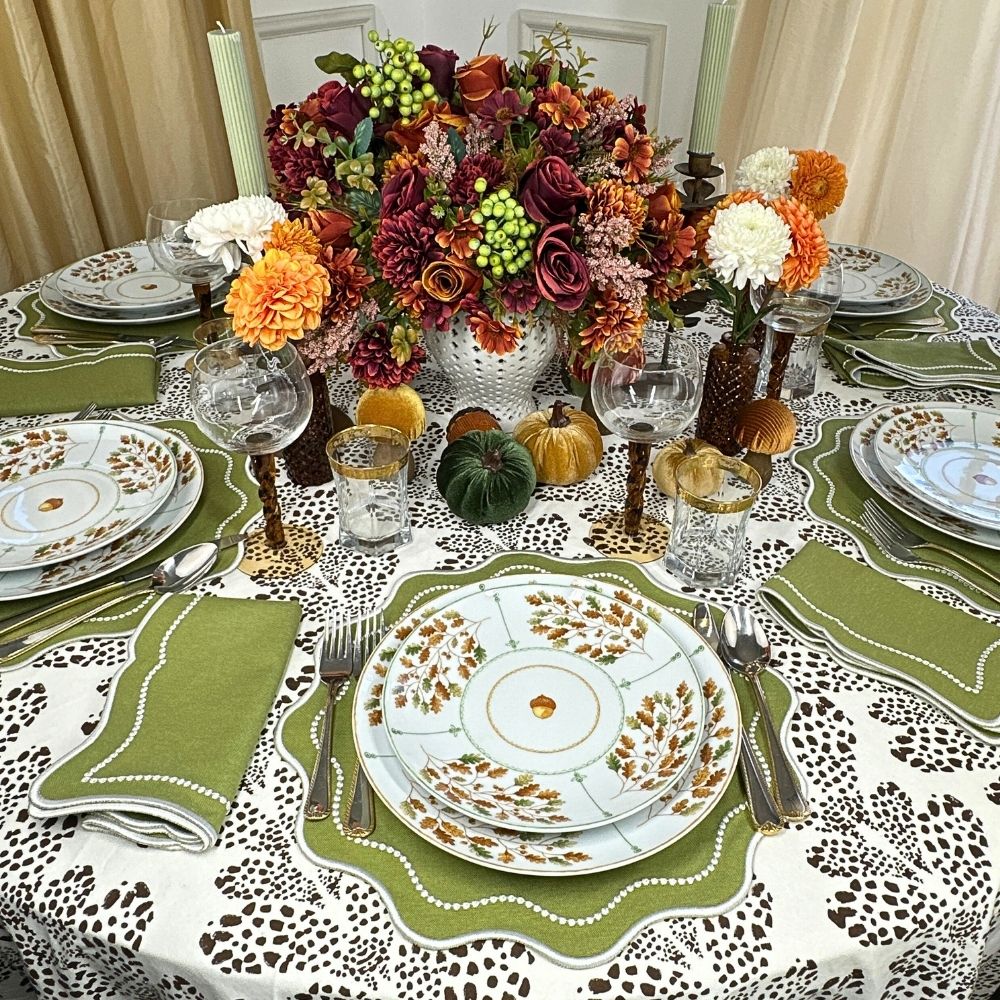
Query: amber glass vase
{"points": [[730, 377], [305, 458]]}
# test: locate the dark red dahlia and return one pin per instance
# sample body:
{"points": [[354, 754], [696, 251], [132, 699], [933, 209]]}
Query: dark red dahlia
{"points": [[462, 187], [558, 141], [520, 295], [293, 167], [372, 362], [404, 245]]}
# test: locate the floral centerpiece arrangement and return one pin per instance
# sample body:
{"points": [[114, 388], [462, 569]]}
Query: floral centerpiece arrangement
{"points": [[480, 198]]}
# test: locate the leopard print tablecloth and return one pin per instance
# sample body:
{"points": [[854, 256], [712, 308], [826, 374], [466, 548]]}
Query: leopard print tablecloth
{"points": [[889, 891]]}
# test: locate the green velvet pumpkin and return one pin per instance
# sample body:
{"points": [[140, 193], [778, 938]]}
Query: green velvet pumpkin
{"points": [[486, 477]]}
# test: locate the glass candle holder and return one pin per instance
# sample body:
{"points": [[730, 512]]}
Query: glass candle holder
{"points": [[792, 347], [711, 510], [369, 469]]}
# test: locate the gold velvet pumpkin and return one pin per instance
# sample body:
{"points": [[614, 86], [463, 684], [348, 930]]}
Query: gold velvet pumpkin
{"points": [[565, 444], [666, 462], [400, 408]]}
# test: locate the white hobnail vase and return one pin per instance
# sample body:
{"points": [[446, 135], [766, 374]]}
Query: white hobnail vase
{"points": [[500, 383]]}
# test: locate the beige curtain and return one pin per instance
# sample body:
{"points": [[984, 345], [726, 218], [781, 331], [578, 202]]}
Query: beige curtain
{"points": [[107, 106], [907, 93]]}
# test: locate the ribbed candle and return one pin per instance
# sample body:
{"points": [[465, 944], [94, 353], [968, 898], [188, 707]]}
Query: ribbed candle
{"points": [[712, 77], [242, 130]]}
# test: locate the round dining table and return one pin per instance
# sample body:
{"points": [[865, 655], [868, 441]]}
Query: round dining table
{"points": [[891, 888]]}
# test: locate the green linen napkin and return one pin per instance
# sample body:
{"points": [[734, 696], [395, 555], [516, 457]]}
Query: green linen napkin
{"points": [[837, 494], [940, 306], [180, 724], [889, 364], [228, 503], [118, 375], [441, 900], [871, 622]]}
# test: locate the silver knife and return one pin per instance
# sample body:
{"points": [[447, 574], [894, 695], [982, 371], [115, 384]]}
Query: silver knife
{"points": [[142, 573]]}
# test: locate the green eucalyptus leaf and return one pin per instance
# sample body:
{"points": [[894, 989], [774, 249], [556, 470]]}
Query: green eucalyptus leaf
{"points": [[363, 136]]}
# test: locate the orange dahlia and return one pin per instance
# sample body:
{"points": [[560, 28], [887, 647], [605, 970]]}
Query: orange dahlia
{"points": [[493, 336], [401, 160], [277, 298], [634, 151], [610, 198], [348, 280], [616, 328], [294, 237], [564, 107], [809, 249], [704, 224], [819, 181]]}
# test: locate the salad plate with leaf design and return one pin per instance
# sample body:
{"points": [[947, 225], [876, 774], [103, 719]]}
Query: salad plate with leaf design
{"points": [[479, 839], [862, 446], [36, 581], [546, 704], [877, 281], [68, 489], [947, 455]]}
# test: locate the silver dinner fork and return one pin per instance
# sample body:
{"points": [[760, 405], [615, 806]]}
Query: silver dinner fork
{"points": [[334, 671], [901, 543]]}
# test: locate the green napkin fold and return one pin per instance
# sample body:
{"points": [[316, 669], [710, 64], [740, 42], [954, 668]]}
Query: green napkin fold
{"points": [[441, 900], [870, 622], [180, 724], [837, 494], [939, 306], [118, 375]]}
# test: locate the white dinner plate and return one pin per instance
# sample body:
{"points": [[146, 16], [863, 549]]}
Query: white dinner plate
{"points": [[117, 555], [68, 489], [874, 278], [545, 703]]}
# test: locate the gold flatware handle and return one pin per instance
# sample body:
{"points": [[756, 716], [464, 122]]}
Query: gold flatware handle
{"points": [[763, 809], [361, 814], [319, 804], [29, 617], [971, 563]]}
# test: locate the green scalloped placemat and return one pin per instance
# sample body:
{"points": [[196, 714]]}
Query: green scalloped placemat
{"points": [[836, 495], [227, 505], [440, 900]]}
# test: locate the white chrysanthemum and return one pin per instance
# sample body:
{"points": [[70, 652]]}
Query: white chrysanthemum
{"points": [[748, 243], [768, 171], [224, 232]]}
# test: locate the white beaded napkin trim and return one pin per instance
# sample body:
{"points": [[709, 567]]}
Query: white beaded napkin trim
{"points": [[49, 366]]}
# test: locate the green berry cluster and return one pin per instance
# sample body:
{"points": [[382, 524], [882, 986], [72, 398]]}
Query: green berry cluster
{"points": [[504, 248], [401, 81]]}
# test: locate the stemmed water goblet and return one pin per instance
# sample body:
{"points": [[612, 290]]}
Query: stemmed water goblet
{"points": [[254, 401], [645, 403], [175, 253]]}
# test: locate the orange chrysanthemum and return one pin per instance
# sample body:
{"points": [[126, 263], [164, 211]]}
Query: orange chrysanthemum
{"points": [[348, 280], [819, 181], [564, 107], [671, 285], [493, 336], [457, 238], [401, 160], [600, 97], [294, 237], [616, 328], [634, 151], [809, 249], [702, 226], [277, 298], [610, 198]]}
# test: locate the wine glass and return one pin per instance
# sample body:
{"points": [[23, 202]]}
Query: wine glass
{"points": [[174, 252], [645, 403], [253, 401]]}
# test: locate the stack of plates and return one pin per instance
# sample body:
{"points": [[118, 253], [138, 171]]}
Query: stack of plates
{"points": [[877, 284], [939, 462], [546, 724], [83, 499], [122, 287]]}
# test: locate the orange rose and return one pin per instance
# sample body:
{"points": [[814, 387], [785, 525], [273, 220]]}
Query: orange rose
{"points": [[409, 137], [664, 202], [479, 78], [450, 280]]}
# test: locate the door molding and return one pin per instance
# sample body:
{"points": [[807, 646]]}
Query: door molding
{"points": [[313, 21], [652, 37]]}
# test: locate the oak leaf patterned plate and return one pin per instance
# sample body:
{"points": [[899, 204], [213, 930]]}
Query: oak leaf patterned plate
{"points": [[36, 581], [948, 456], [68, 489], [545, 703], [874, 279], [670, 816]]}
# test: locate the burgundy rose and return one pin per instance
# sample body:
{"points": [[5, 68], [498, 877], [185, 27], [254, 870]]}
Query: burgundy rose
{"points": [[404, 190], [560, 272], [551, 192], [337, 107], [441, 63]]}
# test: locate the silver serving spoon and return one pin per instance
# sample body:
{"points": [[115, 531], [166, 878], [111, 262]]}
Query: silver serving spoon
{"points": [[182, 569], [747, 651], [763, 808]]}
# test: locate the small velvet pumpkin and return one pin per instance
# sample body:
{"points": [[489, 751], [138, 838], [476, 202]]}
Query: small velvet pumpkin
{"points": [[400, 407], [473, 418], [565, 444], [486, 477], [666, 462]]}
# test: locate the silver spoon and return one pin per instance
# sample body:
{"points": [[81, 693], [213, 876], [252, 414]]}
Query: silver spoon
{"points": [[747, 651], [182, 569], [763, 808]]}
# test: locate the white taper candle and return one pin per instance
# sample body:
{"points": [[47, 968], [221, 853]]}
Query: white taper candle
{"points": [[236, 97], [712, 77]]}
